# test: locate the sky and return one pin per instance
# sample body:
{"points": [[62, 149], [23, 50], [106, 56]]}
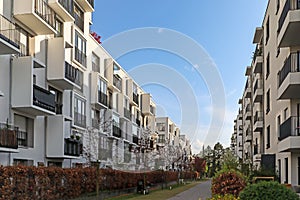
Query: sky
{"points": [[222, 29]]}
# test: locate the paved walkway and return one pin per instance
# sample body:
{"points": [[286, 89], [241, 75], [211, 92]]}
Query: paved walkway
{"points": [[201, 191]]}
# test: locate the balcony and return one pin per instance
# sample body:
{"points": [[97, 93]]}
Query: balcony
{"points": [[117, 131], [147, 107], [117, 82], [127, 114], [98, 98], [60, 72], [289, 78], [9, 37], [248, 137], [257, 61], [72, 147], [28, 97], [258, 121], [289, 24], [36, 15], [248, 114], [64, 8], [289, 136], [258, 91], [80, 57], [8, 138], [59, 143], [247, 91], [87, 5]]}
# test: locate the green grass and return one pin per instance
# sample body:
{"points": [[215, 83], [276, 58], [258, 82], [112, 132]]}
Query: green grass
{"points": [[158, 194]]}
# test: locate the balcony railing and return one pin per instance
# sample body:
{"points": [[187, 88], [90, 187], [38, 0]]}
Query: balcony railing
{"points": [[102, 98], [9, 32], [79, 119], [258, 116], [291, 65], [91, 2], [68, 5], [80, 56], [8, 136], [135, 98], [257, 85], [289, 128], [72, 147], [43, 98], [79, 22], [127, 113], [73, 74], [117, 82], [117, 131], [42, 9]]}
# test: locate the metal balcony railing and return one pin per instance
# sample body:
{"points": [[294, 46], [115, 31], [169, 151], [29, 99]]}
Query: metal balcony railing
{"points": [[289, 128], [117, 131], [42, 9], [73, 74], [117, 82], [79, 21], [102, 98], [72, 147], [80, 56], [43, 98], [135, 98], [291, 65], [258, 116], [9, 32], [8, 136], [68, 5]]}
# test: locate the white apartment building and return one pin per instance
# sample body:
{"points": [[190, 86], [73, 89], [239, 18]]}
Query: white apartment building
{"points": [[275, 76], [64, 100]]}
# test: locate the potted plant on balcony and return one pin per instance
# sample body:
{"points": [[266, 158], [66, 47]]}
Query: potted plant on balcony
{"points": [[72, 137], [78, 137]]}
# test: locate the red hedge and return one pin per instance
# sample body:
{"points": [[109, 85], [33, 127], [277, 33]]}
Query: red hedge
{"points": [[51, 183]]}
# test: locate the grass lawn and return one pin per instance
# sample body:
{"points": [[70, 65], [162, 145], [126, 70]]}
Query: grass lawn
{"points": [[159, 194]]}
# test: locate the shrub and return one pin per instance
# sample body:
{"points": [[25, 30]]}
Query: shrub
{"points": [[267, 190], [225, 197], [228, 182]]}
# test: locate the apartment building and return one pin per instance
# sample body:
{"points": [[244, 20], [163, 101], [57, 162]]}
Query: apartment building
{"points": [[275, 77]]}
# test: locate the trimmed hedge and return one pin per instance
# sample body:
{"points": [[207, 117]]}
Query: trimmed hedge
{"points": [[52, 183], [268, 190]]}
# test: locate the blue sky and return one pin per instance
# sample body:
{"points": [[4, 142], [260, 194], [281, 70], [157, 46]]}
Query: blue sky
{"points": [[223, 28]]}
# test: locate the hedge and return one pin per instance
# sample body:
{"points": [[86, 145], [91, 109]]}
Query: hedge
{"points": [[52, 183]]}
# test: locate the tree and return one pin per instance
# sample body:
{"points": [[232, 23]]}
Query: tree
{"points": [[200, 165], [230, 162]]}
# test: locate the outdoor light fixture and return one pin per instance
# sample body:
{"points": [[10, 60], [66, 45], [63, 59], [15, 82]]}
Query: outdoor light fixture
{"points": [[1, 94]]}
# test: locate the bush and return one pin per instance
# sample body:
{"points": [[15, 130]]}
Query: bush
{"points": [[267, 190], [228, 182], [225, 197]]}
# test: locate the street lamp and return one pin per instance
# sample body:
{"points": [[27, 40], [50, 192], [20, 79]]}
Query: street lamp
{"points": [[1, 94]]}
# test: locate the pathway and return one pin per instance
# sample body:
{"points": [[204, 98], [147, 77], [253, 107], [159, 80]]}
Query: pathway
{"points": [[201, 191]]}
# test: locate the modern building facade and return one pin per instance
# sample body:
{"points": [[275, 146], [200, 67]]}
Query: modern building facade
{"points": [[274, 95], [64, 100]]}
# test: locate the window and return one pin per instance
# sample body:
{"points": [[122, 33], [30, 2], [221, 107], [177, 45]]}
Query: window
{"points": [[161, 138], [104, 152], [26, 130], [268, 102], [58, 100], [268, 137], [279, 170], [285, 114], [278, 126], [268, 66], [79, 17], [80, 49], [127, 153], [59, 28], [267, 30], [286, 162], [277, 6], [102, 92], [79, 112], [161, 126], [23, 162], [95, 63], [95, 118], [170, 128]]}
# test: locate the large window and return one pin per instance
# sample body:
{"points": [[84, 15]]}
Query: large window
{"points": [[79, 17], [268, 137], [80, 49], [102, 92], [267, 30], [268, 102], [161, 126], [26, 130], [95, 63], [79, 112], [268, 66]]}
